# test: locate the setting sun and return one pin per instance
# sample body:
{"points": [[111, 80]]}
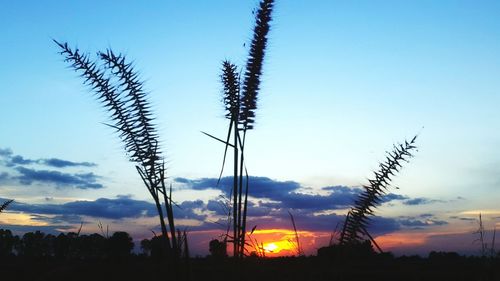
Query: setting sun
{"points": [[281, 247], [271, 248]]}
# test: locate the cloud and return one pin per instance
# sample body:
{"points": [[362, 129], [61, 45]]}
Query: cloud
{"points": [[217, 207], [271, 201], [188, 210], [59, 163], [313, 212], [60, 180], [308, 221], [464, 218], [118, 208], [58, 219], [47, 229], [19, 160], [261, 186], [392, 197], [27, 175], [4, 176], [268, 208], [11, 160], [5, 152], [420, 201], [286, 194], [426, 215], [417, 223]]}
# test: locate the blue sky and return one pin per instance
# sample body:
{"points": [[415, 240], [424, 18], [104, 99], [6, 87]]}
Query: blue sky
{"points": [[343, 81]]}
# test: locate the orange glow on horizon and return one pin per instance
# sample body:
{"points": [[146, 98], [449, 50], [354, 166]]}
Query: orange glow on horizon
{"points": [[412, 239], [279, 242], [21, 219], [395, 240], [278, 231]]}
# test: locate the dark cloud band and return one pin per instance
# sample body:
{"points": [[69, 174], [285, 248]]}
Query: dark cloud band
{"points": [[27, 175]]}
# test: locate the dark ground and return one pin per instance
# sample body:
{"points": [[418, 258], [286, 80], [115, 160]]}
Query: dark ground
{"points": [[305, 268]]}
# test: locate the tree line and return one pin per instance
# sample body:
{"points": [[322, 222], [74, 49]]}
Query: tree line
{"points": [[65, 245]]}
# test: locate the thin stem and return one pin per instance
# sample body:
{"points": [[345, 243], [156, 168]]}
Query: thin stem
{"points": [[244, 216], [235, 194]]}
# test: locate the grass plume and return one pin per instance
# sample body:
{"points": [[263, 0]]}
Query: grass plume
{"points": [[255, 59], [296, 243], [358, 217], [240, 101], [117, 87], [5, 205]]}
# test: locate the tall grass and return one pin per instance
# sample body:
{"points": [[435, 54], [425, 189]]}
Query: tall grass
{"points": [[117, 87], [358, 217], [240, 97], [296, 243], [5, 205], [481, 231]]}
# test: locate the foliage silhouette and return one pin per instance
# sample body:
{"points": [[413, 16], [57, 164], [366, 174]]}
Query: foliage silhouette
{"points": [[296, 244], [353, 251], [217, 249], [240, 100], [357, 219], [5, 205], [65, 246], [363, 263], [119, 90], [120, 244], [485, 250], [7, 243]]}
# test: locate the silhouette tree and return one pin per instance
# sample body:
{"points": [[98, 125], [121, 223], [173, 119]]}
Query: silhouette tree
{"points": [[156, 247], [120, 245], [146, 247], [62, 246], [7, 243], [33, 245], [217, 249], [93, 246]]}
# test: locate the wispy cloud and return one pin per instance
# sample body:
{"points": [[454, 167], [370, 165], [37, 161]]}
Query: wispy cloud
{"points": [[59, 163], [419, 223], [421, 201]]}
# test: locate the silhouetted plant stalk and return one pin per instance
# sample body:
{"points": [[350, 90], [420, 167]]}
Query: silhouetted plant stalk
{"points": [[240, 100], [119, 90], [357, 219], [485, 250], [5, 205], [481, 233], [256, 246], [296, 243]]}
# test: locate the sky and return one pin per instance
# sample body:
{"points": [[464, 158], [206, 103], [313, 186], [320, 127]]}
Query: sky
{"points": [[342, 82]]}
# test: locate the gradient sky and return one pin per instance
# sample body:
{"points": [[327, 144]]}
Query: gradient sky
{"points": [[343, 81]]}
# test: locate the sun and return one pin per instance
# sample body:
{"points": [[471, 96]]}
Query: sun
{"points": [[271, 248]]}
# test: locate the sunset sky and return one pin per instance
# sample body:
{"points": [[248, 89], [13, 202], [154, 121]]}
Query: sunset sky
{"points": [[343, 81]]}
